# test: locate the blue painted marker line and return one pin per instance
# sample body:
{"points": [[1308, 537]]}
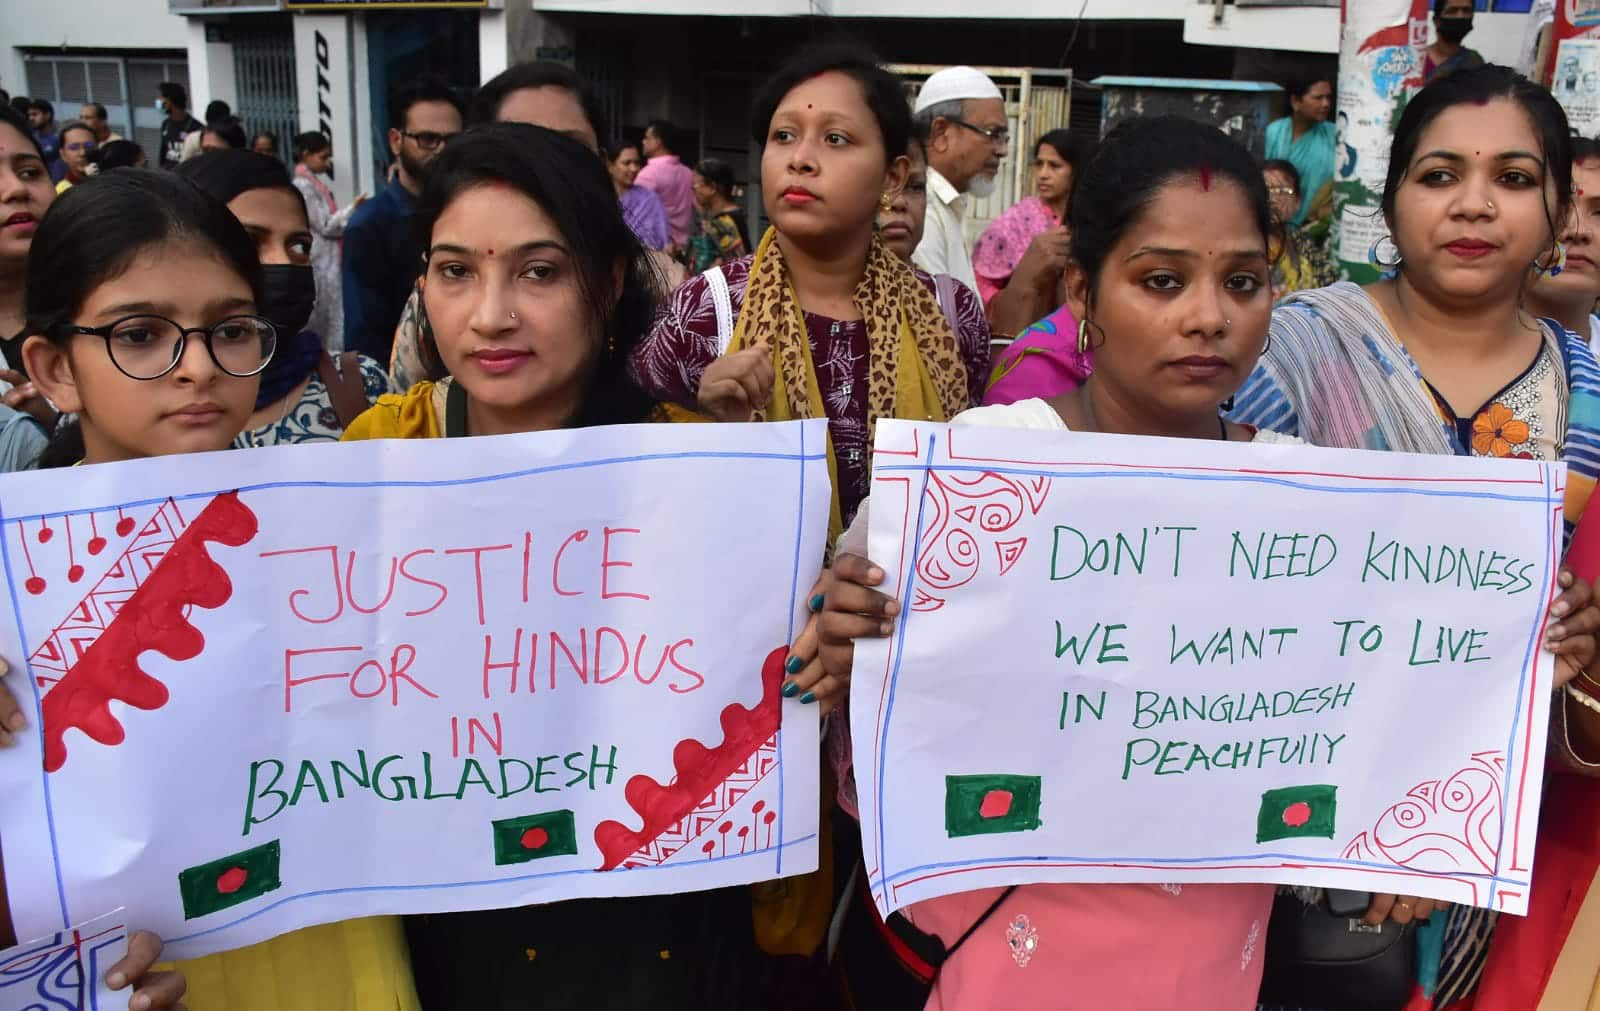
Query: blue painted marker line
{"points": [[38, 722], [441, 483], [907, 468]]}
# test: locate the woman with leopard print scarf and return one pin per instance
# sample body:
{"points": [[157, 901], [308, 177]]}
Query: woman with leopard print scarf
{"points": [[823, 320]]}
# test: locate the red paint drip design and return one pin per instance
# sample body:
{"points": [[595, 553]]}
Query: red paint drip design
{"points": [[154, 618], [97, 543], [74, 570], [699, 771], [34, 584]]}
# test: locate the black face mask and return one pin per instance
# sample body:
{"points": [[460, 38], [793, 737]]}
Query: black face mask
{"points": [[1453, 30], [290, 290]]}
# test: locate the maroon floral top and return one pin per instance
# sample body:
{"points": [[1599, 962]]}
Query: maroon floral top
{"points": [[673, 356]]}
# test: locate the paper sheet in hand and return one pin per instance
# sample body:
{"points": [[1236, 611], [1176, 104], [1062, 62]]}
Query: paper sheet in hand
{"points": [[67, 969], [409, 676], [1164, 661]]}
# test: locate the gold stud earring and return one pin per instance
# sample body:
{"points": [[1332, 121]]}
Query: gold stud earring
{"points": [[886, 202]]}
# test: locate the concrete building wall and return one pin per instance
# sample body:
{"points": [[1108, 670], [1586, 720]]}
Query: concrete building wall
{"points": [[120, 25]]}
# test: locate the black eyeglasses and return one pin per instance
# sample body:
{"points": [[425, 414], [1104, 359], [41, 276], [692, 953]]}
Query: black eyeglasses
{"points": [[149, 347], [428, 140], [997, 134]]}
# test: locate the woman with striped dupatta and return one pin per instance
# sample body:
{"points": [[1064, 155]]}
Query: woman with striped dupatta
{"points": [[1441, 357]]}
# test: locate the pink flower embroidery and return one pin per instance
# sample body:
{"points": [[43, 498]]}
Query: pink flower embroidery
{"points": [[1022, 939], [1249, 952]]}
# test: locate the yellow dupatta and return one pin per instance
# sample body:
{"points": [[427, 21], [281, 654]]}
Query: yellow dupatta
{"points": [[914, 364]]}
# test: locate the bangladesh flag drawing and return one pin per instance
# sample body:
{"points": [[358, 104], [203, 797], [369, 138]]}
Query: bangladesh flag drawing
{"points": [[1297, 812], [534, 837], [989, 804], [219, 884]]}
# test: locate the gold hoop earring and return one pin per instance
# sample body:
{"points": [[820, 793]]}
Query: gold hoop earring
{"points": [[1083, 336]]}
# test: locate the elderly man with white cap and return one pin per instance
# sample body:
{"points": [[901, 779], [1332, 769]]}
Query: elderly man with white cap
{"points": [[962, 115]]}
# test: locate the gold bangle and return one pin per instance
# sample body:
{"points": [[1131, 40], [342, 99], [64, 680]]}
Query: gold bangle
{"points": [[1583, 698]]}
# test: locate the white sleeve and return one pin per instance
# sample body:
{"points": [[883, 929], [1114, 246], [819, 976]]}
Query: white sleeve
{"points": [[930, 252], [854, 540]]}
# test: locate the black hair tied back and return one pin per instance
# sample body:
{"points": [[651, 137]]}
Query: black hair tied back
{"points": [[96, 230], [1136, 159], [572, 187], [882, 91], [1480, 86]]}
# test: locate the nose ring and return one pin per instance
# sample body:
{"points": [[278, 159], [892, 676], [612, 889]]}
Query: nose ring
{"points": [[1490, 204], [513, 315]]}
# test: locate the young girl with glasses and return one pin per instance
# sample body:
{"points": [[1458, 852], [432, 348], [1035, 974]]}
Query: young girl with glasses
{"points": [[141, 318]]}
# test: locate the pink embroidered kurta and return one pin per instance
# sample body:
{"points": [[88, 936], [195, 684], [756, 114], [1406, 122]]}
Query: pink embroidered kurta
{"points": [[1101, 947], [1001, 246]]}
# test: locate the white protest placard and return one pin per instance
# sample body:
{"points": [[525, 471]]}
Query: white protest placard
{"points": [[66, 970], [291, 686], [1147, 660]]}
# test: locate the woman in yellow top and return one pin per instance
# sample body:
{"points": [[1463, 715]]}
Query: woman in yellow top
{"points": [[537, 292]]}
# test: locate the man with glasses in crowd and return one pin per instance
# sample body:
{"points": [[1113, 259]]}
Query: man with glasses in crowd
{"points": [[382, 256], [78, 145], [962, 115]]}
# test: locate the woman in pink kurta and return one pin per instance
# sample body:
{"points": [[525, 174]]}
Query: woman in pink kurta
{"points": [[1095, 944], [1001, 246], [1020, 257], [1169, 256]]}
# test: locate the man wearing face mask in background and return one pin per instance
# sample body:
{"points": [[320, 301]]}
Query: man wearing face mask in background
{"points": [[306, 395], [963, 116], [1452, 20]]}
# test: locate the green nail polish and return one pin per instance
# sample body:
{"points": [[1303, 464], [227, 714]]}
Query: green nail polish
{"points": [[817, 602], [808, 698], [793, 665], [790, 689]]}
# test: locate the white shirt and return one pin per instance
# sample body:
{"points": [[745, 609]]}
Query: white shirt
{"points": [[943, 249], [1594, 335]]}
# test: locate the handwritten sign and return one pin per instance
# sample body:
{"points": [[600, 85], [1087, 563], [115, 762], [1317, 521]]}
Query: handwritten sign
{"points": [[285, 687], [66, 970], [1149, 660]]}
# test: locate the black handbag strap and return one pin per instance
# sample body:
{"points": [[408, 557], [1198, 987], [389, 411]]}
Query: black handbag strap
{"points": [[950, 952]]}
